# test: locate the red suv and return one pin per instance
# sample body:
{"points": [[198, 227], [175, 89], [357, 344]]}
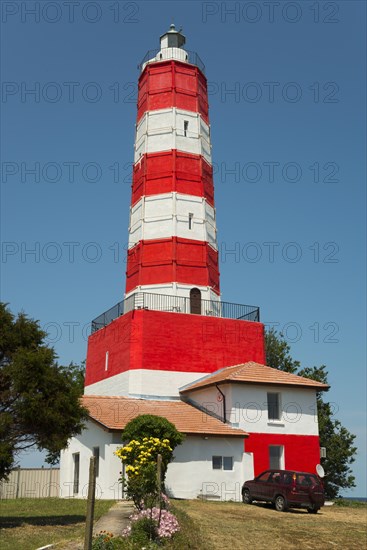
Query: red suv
{"points": [[286, 489]]}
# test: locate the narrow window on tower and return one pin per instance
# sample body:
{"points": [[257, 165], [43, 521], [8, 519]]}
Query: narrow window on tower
{"points": [[186, 127], [191, 215]]}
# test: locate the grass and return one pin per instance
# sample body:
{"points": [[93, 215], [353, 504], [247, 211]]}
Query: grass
{"points": [[238, 526], [28, 524], [350, 503]]}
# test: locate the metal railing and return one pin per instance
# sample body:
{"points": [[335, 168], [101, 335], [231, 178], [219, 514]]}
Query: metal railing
{"points": [[190, 57], [176, 304]]}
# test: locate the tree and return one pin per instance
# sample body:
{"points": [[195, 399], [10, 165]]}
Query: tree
{"points": [[278, 352], [149, 425], [39, 400], [337, 440]]}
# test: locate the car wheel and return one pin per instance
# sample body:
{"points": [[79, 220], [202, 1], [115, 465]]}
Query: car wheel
{"points": [[246, 497], [280, 504], [313, 510]]}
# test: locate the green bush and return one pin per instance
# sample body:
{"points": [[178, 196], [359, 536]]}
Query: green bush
{"points": [[144, 531]]}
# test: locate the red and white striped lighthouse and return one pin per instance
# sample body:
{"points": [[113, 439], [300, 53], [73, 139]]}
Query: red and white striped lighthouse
{"points": [[172, 232], [172, 325]]}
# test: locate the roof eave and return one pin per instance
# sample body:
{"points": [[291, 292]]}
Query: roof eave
{"points": [[322, 387]]}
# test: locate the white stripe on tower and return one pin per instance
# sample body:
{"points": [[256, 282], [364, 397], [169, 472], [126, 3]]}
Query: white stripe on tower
{"points": [[173, 128]]}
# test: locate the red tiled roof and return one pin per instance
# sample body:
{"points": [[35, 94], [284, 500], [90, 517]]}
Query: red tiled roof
{"points": [[115, 412], [254, 373]]}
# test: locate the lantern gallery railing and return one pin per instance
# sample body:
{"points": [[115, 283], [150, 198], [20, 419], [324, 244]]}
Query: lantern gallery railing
{"points": [[176, 304], [170, 53]]}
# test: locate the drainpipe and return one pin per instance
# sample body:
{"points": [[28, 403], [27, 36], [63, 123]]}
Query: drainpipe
{"points": [[224, 403]]}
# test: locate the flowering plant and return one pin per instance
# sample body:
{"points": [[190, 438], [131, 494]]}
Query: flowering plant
{"points": [[102, 541], [137, 454], [167, 524], [140, 458]]}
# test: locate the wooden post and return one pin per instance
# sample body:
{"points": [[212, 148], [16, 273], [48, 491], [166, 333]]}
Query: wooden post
{"points": [[159, 474], [90, 504], [159, 485]]}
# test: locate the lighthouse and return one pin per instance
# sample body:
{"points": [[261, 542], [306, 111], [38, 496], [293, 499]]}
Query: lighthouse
{"points": [[172, 324], [172, 232], [172, 346]]}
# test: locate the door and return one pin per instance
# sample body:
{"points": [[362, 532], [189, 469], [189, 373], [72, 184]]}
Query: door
{"points": [[195, 301], [276, 457]]}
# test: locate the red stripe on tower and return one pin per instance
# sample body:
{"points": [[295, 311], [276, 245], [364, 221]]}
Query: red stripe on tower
{"points": [[172, 231]]}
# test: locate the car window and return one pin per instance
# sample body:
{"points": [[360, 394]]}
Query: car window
{"points": [[275, 478], [303, 480], [264, 477], [315, 480], [288, 478]]}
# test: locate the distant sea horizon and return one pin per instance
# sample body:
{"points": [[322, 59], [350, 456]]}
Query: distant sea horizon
{"points": [[361, 499]]}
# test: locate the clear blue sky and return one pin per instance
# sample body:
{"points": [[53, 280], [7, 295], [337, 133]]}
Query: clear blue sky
{"points": [[292, 131]]}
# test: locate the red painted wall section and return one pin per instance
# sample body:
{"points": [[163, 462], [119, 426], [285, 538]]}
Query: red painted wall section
{"points": [[172, 84], [156, 340], [172, 260], [115, 338], [301, 452], [169, 171]]}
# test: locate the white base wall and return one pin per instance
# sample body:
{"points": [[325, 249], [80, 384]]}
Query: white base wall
{"points": [[143, 382]]}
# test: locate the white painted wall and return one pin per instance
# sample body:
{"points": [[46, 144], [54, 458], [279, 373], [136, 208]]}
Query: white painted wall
{"points": [[246, 406], [167, 215], [298, 406], [107, 485], [163, 130], [191, 473], [114, 385], [143, 382]]}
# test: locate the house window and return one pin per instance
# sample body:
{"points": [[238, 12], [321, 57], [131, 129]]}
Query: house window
{"points": [[76, 461], [191, 215], [96, 456], [274, 406], [186, 127], [276, 455], [106, 361], [228, 463], [222, 462]]}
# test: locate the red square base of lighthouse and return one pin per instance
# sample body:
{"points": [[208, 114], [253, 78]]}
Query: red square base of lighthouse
{"points": [[157, 340]]}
